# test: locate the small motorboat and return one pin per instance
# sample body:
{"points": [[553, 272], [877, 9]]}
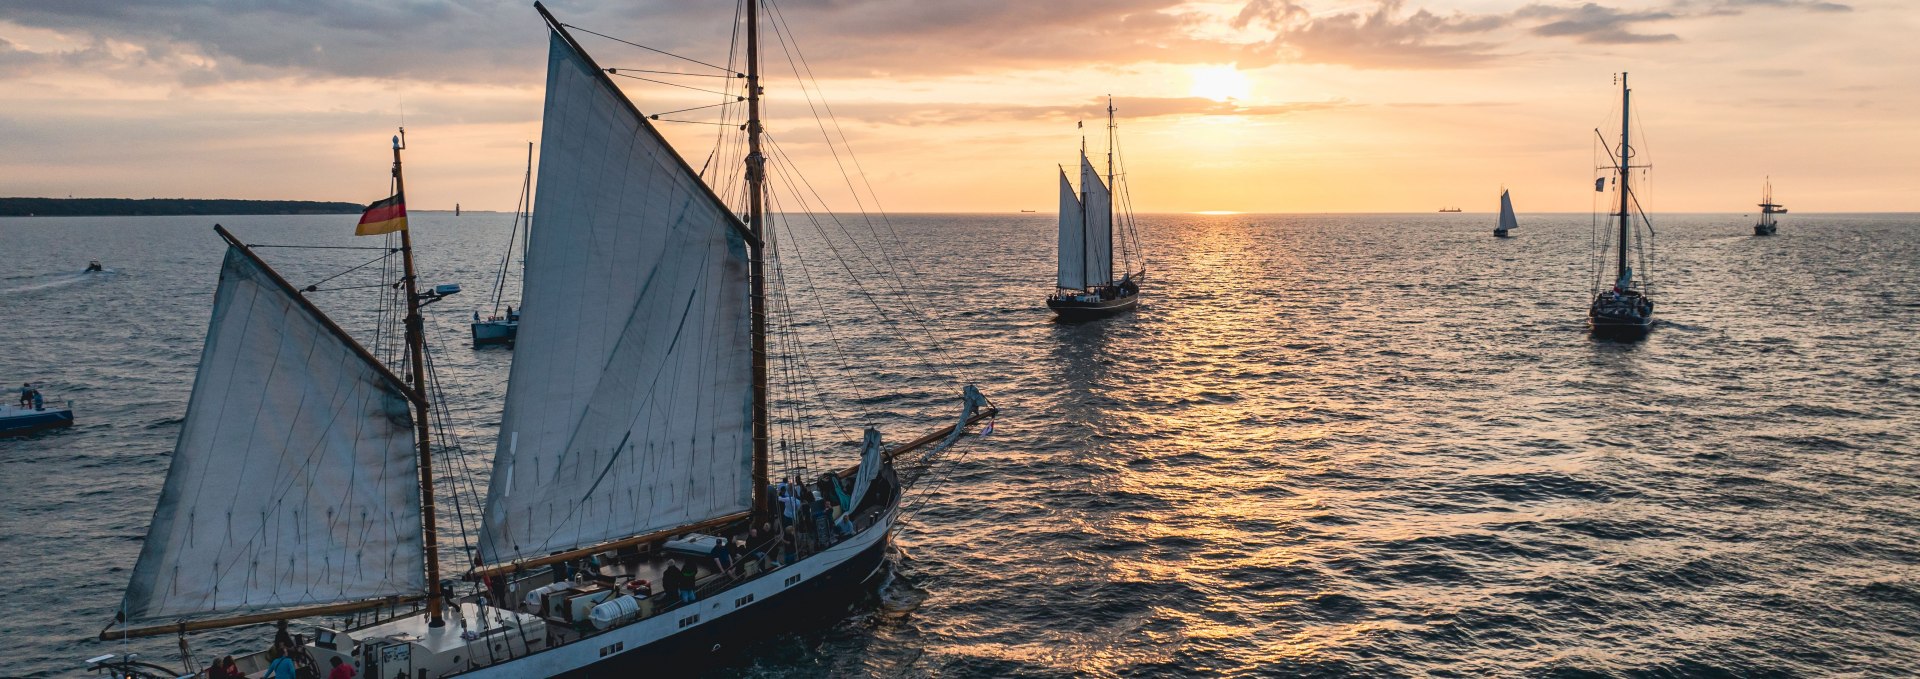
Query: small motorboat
{"points": [[16, 420], [495, 329], [93, 266]]}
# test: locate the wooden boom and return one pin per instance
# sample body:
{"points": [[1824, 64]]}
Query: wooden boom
{"points": [[184, 626]]}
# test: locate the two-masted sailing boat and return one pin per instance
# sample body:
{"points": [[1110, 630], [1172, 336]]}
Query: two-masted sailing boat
{"points": [[1624, 309], [1768, 225], [499, 328], [1507, 221], [1085, 287], [632, 519]]}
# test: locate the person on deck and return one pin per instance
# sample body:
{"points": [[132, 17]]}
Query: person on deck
{"points": [[789, 505], [341, 670], [281, 667], [26, 394], [39, 402], [689, 582], [723, 553], [818, 509], [224, 668]]}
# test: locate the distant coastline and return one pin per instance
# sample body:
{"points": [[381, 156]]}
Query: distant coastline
{"points": [[161, 207]]}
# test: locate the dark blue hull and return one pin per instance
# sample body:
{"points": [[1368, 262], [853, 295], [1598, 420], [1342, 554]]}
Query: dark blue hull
{"points": [[814, 605], [36, 421], [1073, 310]]}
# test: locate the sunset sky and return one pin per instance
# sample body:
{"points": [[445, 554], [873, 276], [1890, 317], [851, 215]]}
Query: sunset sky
{"points": [[968, 105]]}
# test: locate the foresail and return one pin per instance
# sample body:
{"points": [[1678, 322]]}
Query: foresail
{"points": [[1507, 220], [1071, 271], [295, 479], [871, 460], [629, 404], [1099, 225]]}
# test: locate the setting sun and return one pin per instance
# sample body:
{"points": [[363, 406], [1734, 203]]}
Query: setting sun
{"points": [[1219, 83]]}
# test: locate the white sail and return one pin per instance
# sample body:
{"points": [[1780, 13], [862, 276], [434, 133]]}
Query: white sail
{"points": [[871, 460], [295, 480], [629, 405], [1507, 220], [1099, 225], [1073, 237]]}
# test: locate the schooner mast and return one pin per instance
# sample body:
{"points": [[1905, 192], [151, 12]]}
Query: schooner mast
{"points": [[756, 261], [422, 416]]}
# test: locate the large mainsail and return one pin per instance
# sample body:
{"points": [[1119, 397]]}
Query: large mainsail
{"points": [[629, 405], [1099, 206], [295, 480], [1071, 273], [1507, 220]]}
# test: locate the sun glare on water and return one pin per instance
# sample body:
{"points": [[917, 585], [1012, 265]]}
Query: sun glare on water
{"points": [[1219, 83]]}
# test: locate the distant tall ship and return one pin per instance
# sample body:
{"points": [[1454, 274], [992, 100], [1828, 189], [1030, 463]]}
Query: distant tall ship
{"points": [[1624, 309], [1507, 221], [1767, 224], [1084, 284]]}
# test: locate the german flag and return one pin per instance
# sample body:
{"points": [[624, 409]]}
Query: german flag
{"points": [[384, 216]]}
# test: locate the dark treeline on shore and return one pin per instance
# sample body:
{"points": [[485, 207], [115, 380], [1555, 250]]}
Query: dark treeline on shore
{"points": [[118, 207]]}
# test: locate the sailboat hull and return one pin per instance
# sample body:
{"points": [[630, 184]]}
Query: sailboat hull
{"points": [[1614, 316], [1764, 229], [811, 589], [1500, 233], [818, 600], [487, 333], [1072, 310]]}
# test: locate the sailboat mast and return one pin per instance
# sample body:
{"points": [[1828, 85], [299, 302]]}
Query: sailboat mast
{"points": [[417, 356], [1626, 150], [1086, 267], [756, 259], [1110, 188]]}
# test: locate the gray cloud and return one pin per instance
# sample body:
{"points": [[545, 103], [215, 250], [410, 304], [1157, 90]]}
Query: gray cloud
{"points": [[1593, 23], [204, 42], [1380, 38]]}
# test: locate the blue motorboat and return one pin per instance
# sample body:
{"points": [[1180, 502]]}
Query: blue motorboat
{"points": [[15, 420]]}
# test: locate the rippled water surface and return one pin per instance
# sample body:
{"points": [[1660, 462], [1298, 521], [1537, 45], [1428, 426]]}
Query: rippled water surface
{"points": [[1349, 445]]}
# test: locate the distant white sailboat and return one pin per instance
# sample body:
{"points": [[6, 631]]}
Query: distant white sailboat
{"points": [[1507, 220]]}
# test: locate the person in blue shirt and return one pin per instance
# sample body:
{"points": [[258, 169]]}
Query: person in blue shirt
{"points": [[281, 667]]}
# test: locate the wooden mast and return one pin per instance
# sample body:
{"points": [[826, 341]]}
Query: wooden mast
{"points": [[422, 413], [756, 261], [1110, 189], [1626, 149], [1086, 275]]}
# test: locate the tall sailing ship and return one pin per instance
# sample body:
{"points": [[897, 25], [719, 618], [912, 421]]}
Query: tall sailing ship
{"points": [[1768, 225], [632, 519], [1084, 283], [1624, 309], [1507, 221]]}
